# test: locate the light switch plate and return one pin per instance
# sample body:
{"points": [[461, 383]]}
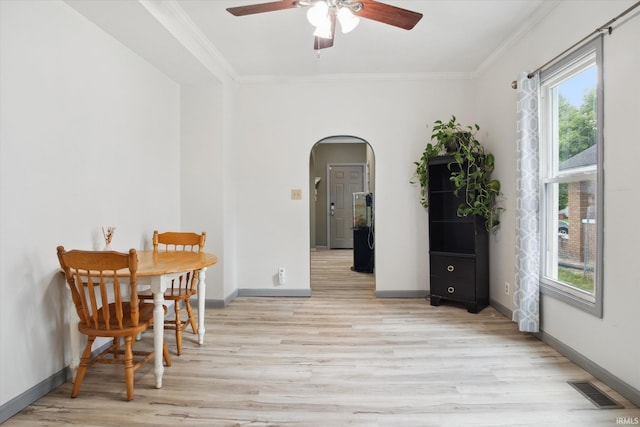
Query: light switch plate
{"points": [[296, 194]]}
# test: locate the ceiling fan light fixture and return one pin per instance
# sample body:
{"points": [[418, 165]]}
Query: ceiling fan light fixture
{"points": [[318, 13], [348, 21], [323, 30]]}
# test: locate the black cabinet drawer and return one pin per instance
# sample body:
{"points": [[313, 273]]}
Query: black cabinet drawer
{"points": [[453, 268], [454, 289], [453, 277]]}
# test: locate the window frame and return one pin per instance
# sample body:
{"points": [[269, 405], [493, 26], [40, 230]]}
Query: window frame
{"points": [[562, 70]]}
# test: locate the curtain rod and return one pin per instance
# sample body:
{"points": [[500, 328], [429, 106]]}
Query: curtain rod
{"points": [[606, 26]]}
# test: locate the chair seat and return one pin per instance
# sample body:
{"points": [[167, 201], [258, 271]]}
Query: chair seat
{"points": [[145, 320]]}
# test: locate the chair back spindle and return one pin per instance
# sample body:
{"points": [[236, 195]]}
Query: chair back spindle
{"points": [[173, 241], [94, 278]]}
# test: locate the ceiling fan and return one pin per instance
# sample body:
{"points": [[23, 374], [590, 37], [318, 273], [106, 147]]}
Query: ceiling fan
{"points": [[324, 13]]}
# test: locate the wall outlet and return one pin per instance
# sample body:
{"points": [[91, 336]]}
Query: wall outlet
{"points": [[507, 287], [282, 276]]}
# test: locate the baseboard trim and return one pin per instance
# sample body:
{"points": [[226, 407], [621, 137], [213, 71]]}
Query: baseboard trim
{"points": [[221, 303], [274, 292], [401, 294], [218, 303], [25, 399], [501, 309], [626, 390], [215, 303], [588, 365], [18, 403]]}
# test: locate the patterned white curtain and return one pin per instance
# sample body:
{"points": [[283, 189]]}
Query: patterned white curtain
{"points": [[527, 289]]}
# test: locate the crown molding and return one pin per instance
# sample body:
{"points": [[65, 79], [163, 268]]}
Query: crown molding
{"points": [[260, 79], [176, 21], [535, 14]]}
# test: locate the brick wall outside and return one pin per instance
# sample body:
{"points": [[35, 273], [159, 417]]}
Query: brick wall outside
{"points": [[582, 234]]}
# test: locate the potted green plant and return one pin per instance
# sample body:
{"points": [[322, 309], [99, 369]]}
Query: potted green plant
{"points": [[473, 177]]}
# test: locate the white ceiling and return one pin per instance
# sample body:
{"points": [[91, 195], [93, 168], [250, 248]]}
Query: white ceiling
{"points": [[191, 40]]}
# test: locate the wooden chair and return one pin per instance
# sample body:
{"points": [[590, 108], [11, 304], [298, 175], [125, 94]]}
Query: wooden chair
{"points": [[184, 287], [94, 278]]}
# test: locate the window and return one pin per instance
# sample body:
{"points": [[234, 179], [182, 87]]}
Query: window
{"points": [[571, 175]]}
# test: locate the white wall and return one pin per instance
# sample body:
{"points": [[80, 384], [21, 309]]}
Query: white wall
{"points": [[275, 127], [90, 136], [611, 342], [202, 179]]}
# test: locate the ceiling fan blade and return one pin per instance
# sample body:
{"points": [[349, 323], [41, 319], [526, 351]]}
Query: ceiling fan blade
{"points": [[262, 7], [322, 43], [388, 14]]}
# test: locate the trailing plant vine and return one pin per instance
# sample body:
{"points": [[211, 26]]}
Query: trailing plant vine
{"points": [[473, 175]]}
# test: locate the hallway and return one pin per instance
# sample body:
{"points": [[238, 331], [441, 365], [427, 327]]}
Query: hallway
{"points": [[331, 275]]}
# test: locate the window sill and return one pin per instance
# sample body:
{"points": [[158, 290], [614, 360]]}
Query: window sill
{"points": [[593, 308]]}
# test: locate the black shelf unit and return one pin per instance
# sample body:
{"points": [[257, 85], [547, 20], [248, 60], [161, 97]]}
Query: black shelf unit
{"points": [[458, 246]]}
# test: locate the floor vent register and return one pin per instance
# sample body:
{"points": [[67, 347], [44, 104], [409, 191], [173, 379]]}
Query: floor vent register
{"points": [[595, 395]]}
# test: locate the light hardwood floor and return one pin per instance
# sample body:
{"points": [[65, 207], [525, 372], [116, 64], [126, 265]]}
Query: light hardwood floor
{"points": [[340, 358]]}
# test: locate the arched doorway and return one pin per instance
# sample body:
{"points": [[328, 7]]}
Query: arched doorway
{"points": [[341, 170]]}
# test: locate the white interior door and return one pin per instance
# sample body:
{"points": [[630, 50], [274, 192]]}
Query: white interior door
{"points": [[344, 180]]}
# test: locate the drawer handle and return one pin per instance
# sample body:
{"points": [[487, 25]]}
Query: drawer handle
{"points": [[451, 289], [450, 268]]}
